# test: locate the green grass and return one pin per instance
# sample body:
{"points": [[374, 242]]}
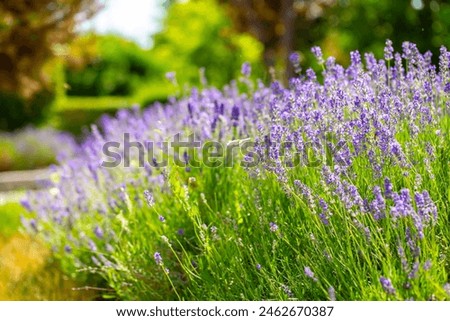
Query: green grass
{"points": [[10, 219]]}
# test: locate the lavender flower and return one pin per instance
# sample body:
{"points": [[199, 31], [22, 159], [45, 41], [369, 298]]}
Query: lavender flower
{"points": [[310, 273], [26, 204], [294, 58], [317, 52], [331, 294], [149, 198], [96, 261], [388, 188], [171, 76], [324, 214], [447, 88], [387, 285], [158, 258], [258, 266], [246, 69], [273, 227], [388, 50], [235, 115], [366, 106], [92, 246], [446, 288], [378, 205], [413, 273], [98, 232]]}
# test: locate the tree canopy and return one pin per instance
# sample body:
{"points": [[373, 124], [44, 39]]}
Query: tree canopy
{"points": [[29, 34]]}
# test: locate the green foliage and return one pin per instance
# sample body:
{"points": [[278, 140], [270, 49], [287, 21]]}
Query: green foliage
{"points": [[10, 219], [17, 111], [198, 34], [75, 114], [117, 67], [365, 25]]}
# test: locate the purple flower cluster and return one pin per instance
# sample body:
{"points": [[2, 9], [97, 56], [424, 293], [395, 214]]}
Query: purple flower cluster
{"points": [[353, 114], [387, 285], [309, 273]]}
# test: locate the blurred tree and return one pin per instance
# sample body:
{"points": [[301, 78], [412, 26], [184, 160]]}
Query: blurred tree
{"points": [[197, 34], [29, 34], [366, 24], [340, 26], [107, 65], [281, 25]]}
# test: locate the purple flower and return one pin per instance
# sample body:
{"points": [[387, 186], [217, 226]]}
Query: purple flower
{"points": [[96, 261], [388, 188], [171, 76], [258, 266], [402, 255], [92, 246], [309, 273], [235, 115], [378, 205], [388, 50], [158, 258], [161, 218], [180, 231], [273, 227], [413, 273], [324, 214], [33, 224], [387, 285], [317, 52], [246, 69], [149, 198], [294, 58], [447, 88], [67, 249], [331, 293], [446, 288], [26, 204], [98, 232]]}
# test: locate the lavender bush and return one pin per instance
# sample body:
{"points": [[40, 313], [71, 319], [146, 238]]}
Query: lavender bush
{"points": [[31, 148], [348, 198]]}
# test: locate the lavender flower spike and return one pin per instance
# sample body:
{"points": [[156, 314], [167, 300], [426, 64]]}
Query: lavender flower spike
{"points": [[158, 258], [149, 198], [331, 293], [388, 50], [387, 285], [246, 69], [317, 52], [273, 227], [310, 273]]}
